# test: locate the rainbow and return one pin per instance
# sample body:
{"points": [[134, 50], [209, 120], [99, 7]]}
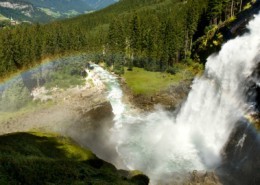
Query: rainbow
{"points": [[44, 64]]}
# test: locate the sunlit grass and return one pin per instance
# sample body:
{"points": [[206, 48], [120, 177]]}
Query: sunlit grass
{"points": [[44, 145], [71, 149], [145, 82], [141, 81]]}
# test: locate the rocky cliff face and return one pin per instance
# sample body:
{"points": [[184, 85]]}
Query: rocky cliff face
{"points": [[168, 99], [93, 120], [241, 160]]}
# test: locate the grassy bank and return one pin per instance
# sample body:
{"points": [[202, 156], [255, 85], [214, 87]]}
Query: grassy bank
{"points": [[37, 158], [145, 82]]}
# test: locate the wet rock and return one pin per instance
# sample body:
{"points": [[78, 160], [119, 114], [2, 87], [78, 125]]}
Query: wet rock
{"points": [[136, 177], [191, 178], [241, 160], [100, 112], [172, 97], [203, 178], [140, 179]]}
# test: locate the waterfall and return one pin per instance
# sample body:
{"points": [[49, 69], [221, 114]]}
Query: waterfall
{"points": [[159, 143]]}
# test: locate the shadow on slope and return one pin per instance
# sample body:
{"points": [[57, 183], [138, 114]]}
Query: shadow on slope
{"points": [[35, 158]]}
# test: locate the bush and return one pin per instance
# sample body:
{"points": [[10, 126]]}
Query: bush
{"points": [[171, 70]]}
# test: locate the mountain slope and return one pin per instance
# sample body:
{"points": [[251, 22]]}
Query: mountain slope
{"points": [[62, 6], [99, 4], [42, 10], [22, 11]]}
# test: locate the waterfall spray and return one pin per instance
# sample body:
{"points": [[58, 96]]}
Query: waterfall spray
{"points": [[160, 144]]}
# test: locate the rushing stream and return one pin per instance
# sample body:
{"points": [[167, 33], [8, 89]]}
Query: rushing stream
{"points": [[159, 143]]}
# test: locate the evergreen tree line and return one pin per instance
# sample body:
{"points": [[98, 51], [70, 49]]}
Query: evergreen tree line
{"points": [[23, 46], [156, 39], [153, 34]]}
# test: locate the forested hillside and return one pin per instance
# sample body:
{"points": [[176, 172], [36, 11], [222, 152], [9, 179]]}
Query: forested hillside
{"points": [[153, 34]]}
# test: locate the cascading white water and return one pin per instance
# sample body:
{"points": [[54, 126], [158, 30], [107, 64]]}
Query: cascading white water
{"points": [[99, 76], [159, 143]]}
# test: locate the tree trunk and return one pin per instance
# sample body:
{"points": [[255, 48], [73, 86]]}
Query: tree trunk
{"points": [[177, 56], [226, 13], [186, 45], [191, 43], [241, 2], [232, 8], [215, 20]]}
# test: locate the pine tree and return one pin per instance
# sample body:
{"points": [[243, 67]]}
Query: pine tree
{"points": [[135, 34], [214, 11]]}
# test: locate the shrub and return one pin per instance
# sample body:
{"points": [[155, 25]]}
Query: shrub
{"points": [[171, 70]]}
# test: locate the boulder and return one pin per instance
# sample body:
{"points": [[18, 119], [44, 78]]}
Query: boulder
{"points": [[100, 112]]}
